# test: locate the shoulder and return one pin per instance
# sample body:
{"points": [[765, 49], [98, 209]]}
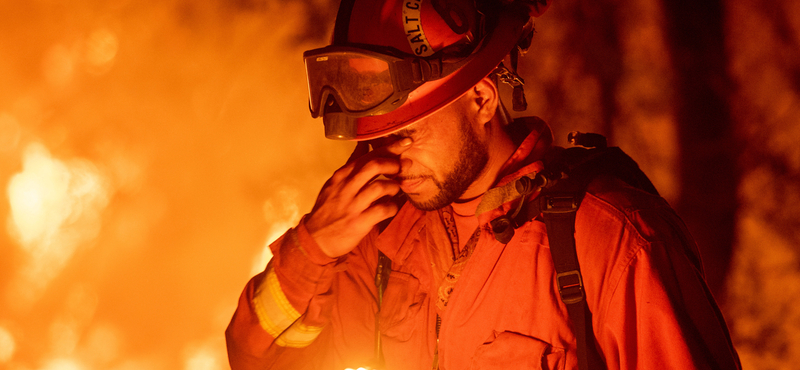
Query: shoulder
{"points": [[610, 202], [618, 226]]}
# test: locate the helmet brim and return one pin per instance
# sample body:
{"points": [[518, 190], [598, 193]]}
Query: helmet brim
{"points": [[435, 95]]}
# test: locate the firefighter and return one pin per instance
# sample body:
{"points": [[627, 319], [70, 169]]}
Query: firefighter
{"points": [[402, 262]]}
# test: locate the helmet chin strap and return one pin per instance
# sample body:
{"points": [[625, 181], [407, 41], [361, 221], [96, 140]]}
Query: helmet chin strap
{"points": [[511, 75], [505, 117]]}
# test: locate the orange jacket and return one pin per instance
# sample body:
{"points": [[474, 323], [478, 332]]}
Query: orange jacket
{"points": [[650, 305]]}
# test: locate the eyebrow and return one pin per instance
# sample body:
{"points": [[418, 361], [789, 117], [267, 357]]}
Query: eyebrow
{"points": [[406, 132]]}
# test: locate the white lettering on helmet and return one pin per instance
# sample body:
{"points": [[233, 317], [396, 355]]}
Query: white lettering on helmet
{"points": [[413, 27]]}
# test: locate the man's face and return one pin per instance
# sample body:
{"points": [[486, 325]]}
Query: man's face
{"points": [[446, 156]]}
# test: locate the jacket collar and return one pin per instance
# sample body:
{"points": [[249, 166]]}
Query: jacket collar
{"points": [[535, 140]]}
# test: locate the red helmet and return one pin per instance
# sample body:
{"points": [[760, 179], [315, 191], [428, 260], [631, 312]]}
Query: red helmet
{"points": [[394, 62]]}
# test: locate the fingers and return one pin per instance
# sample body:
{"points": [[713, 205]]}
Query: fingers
{"points": [[374, 191], [381, 161], [357, 179], [361, 149], [372, 170], [378, 156], [355, 198], [395, 148], [379, 212], [361, 156]]}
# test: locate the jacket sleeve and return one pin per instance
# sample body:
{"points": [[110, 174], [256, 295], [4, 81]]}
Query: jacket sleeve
{"points": [[654, 309], [661, 315], [285, 307]]}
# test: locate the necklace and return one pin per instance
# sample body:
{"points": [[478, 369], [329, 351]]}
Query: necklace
{"points": [[460, 215], [462, 201]]}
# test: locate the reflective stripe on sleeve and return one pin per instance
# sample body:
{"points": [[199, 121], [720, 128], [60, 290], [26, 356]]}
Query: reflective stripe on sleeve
{"points": [[274, 311], [298, 335], [278, 317]]}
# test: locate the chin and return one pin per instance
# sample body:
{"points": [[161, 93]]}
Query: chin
{"points": [[430, 203]]}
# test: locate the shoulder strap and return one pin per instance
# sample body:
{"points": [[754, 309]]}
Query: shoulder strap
{"points": [[558, 205], [560, 223]]}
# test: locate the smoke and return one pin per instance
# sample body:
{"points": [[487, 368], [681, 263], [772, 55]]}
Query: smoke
{"points": [[281, 212], [150, 151]]}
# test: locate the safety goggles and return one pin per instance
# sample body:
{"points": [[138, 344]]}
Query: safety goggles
{"points": [[361, 82]]}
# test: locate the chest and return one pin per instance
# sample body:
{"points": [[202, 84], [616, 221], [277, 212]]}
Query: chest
{"points": [[503, 310]]}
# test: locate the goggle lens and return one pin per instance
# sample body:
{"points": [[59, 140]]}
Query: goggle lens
{"points": [[359, 82]]}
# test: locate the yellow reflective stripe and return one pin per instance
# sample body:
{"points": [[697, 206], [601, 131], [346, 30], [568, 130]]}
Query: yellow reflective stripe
{"points": [[273, 309], [298, 335]]}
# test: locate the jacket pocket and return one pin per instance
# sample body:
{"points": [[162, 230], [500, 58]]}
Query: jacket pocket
{"points": [[509, 350], [402, 301]]}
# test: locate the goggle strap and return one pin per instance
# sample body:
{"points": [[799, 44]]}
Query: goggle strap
{"points": [[341, 27], [413, 72], [427, 70], [416, 71]]}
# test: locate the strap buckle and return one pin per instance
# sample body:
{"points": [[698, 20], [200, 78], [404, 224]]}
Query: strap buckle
{"points": [[560, 203], [570, 286]]}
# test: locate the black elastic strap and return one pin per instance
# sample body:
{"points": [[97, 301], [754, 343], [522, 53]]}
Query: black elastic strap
{"points": [[342, 26], [559, 219]]}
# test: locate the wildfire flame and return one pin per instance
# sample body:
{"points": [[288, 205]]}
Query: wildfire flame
{"points": [[151, 151], [55, 208]]}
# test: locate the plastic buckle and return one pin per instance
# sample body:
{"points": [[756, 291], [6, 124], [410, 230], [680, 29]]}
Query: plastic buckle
{"points": [[560, 203], [570, 286], [503, 229]]}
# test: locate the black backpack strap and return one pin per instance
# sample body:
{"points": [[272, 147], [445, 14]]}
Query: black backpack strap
{"points": [[559, 206], [560, 223]]}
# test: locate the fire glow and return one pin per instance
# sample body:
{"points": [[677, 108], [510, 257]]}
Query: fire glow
{"points": [[151, 151], [55, 208]]}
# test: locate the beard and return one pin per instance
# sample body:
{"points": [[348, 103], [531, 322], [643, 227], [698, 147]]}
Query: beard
{"points": [[472, 159]]}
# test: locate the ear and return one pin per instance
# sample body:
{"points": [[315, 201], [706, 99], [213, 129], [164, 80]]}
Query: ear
{"points": [[486, 98]]}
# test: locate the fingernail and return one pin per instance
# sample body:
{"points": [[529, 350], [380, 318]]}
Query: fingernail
{"points": [[405, 142]]}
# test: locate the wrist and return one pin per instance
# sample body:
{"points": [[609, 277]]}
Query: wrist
{"points": [[315, 251]]}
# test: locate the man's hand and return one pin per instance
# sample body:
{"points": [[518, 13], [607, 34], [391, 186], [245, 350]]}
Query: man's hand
{"points": [[348, 205]]}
